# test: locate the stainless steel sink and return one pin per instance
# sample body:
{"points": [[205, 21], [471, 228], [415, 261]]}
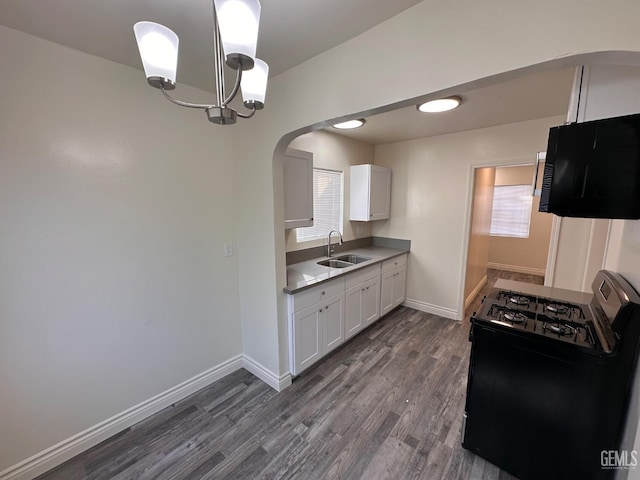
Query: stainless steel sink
{"points": [[335, 263], [353, 258]]}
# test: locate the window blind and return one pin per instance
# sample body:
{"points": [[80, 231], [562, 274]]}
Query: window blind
{"points": [[327, 205], [511, 211]]}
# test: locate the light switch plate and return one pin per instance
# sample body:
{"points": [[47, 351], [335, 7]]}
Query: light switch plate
{"points": [[228, 250]]}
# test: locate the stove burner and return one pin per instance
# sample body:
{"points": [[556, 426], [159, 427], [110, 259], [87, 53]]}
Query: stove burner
{"points": [[556, 308], [519, 300], [514, 317], [560, 329]]}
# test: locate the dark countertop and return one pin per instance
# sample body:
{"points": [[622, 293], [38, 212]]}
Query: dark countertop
{"points": [[570, 296], [303, 275]]}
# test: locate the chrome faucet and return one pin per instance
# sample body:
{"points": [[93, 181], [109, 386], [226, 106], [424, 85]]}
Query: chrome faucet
{"points": [[329, 249]]}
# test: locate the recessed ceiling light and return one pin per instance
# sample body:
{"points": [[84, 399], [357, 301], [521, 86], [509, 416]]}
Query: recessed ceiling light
{"points": [[350, 124], [441, 105]]}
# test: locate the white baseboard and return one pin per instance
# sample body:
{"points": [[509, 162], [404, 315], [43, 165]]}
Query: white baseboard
{"points": [[517, 268], [276, 382], [69, 448], [475, 292], [429, 308]]}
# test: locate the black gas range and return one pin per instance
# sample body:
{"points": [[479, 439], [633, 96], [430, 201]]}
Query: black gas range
{"points": [[550, 376]]}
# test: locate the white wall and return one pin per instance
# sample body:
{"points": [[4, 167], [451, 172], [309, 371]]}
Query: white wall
{"points": [[334, 152], [114, 206], [430, 201], [479, 228]]}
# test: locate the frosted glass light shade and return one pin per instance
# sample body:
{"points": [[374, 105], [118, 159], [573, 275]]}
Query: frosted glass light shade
{"points": [[158, 48], [238, 21], [254, 84]]}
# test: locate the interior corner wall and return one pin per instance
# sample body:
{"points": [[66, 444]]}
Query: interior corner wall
{"points": [[114, 211], [334, 152], [525, 255], [480, 226], [430, 196]]}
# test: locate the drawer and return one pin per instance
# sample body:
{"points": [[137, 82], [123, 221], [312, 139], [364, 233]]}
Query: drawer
{"points": [[363, 275], [314, 295], [393, 263]]}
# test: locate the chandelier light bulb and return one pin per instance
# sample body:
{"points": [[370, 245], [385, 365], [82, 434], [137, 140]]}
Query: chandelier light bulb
{"points": [[254, 84], [158, 48], [239, 21]]}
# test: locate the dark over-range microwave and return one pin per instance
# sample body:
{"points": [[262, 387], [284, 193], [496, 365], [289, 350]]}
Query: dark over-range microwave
{"points": [[592, 169]]}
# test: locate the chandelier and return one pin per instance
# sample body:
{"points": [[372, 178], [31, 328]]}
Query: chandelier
{"points": [[235, 33]]}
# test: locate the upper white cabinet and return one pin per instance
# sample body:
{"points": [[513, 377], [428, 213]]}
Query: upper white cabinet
{"points": [[298, 189], [604, 91], [370, 193]]}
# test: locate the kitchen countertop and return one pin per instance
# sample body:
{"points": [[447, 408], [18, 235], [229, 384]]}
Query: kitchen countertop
{"points": [[570, 296], [303, 275]]}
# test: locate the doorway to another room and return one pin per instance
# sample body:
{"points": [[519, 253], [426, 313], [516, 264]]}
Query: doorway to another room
{"points": [[508, 237]]}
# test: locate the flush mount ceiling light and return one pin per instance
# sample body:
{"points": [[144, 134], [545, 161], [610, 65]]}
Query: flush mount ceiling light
{"points": [[350, 124], [441, 105], [235, 33]]}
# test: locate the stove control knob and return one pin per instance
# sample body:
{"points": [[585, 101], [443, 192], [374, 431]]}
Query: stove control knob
{"points": [[483, 299]]}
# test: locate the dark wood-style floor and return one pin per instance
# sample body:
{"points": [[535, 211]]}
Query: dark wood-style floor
{"points": [[386, 405]]}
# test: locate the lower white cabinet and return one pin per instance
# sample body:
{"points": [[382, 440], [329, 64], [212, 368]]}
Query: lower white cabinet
{"points": [[362, 300], [321, 318], [393, 283], [316, 323]]}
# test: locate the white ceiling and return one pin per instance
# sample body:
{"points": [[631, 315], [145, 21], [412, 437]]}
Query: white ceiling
{"points": [[529, 97], [290, 33]]}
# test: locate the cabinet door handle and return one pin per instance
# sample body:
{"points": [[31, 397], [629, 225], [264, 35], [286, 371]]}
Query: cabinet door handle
{"points": [[363, 289], [367, 288], [322, 293], [327, 307], [320, 311]]}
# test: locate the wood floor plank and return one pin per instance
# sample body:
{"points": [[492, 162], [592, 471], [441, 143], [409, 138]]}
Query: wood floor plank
{"points": [[386, 405]]}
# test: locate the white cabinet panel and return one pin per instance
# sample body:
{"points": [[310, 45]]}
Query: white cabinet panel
{"points": [[380, 195], [371, 301], [308, 337], [298, 189], [386, 292], [353, 321], [333, 323], [400, 286], [370, 193], [393, 283]]}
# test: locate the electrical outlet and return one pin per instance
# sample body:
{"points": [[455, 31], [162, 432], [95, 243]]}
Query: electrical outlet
{"points": [[358, 229], [228, 250]]}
